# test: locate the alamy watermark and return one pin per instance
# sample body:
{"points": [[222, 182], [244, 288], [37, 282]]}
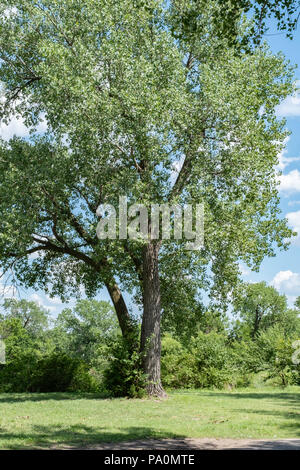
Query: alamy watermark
{"points": [[296, 354], [2, 352], [158, 222]]}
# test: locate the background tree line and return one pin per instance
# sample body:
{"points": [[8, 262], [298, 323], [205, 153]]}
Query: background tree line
{"points": [[83, 348], [130, 91]]}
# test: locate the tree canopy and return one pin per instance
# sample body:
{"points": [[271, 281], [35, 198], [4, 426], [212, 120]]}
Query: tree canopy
{"points": [[260, 307], [85, 330], [133, 109], [34, 318]]}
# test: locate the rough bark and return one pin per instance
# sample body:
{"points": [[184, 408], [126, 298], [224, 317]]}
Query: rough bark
{"points": [[150, 335], [257, 321], [124, 319]]}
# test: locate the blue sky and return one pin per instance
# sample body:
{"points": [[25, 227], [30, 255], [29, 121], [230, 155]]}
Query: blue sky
{"points": [[283, 271]]}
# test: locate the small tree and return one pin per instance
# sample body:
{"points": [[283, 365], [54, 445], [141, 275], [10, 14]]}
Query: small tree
{"points": [[86, 329], [276, 352], [259, 307], [34, 318]]}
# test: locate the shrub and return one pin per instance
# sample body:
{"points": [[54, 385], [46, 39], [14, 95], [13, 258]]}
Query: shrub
{"points": [[53, 373], [178, 366], [124, 375], [61, 373], [277, 352], [16, 375], [206, 362], [213, 359]]}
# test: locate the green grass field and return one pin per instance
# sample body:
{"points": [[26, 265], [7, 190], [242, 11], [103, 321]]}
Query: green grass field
{"points": [[53, 419]]}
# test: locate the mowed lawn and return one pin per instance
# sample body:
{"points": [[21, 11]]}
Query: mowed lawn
{"points": [[54, 419]]}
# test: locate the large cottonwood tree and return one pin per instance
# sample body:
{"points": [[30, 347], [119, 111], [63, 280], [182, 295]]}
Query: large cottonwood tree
{"points": [[135, 105]]}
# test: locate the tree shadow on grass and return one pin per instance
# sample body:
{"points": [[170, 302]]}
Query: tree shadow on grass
{"points": [[132, 438], [76, 436], [286, 405], [292, 426], [57, 396], [288, 398], [80, 436]]}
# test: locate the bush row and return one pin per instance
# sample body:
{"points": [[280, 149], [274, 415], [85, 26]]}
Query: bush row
{"points": [[51, 373], [209, 360]]}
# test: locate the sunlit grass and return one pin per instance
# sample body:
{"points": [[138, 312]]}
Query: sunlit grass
{"points": [[53, 419]]}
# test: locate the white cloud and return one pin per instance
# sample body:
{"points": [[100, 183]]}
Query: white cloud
{"points": [[290, 183], [293, 203], [291, 300], [282, 155], [287, 282], [7, 291], [36, 298], [8, 12], [294, 221], [34, 255], [16, 127], [53, 300], [40, 301], [283, 160], [51, 308], [244, 270], [290, 106]]}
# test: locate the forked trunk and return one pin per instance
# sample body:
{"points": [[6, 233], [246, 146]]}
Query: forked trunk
{"points": [[124, 319], [150, 335]]}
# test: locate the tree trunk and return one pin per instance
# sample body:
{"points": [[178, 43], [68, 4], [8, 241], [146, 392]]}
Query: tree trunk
{"points": [[150, 335], [126, 324], [257, 321]]}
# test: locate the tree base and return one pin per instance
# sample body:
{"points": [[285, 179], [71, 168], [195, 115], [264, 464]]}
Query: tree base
{"points": [[156, 390]]}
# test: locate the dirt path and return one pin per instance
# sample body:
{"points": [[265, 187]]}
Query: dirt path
{"points": [[204, 444]]}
